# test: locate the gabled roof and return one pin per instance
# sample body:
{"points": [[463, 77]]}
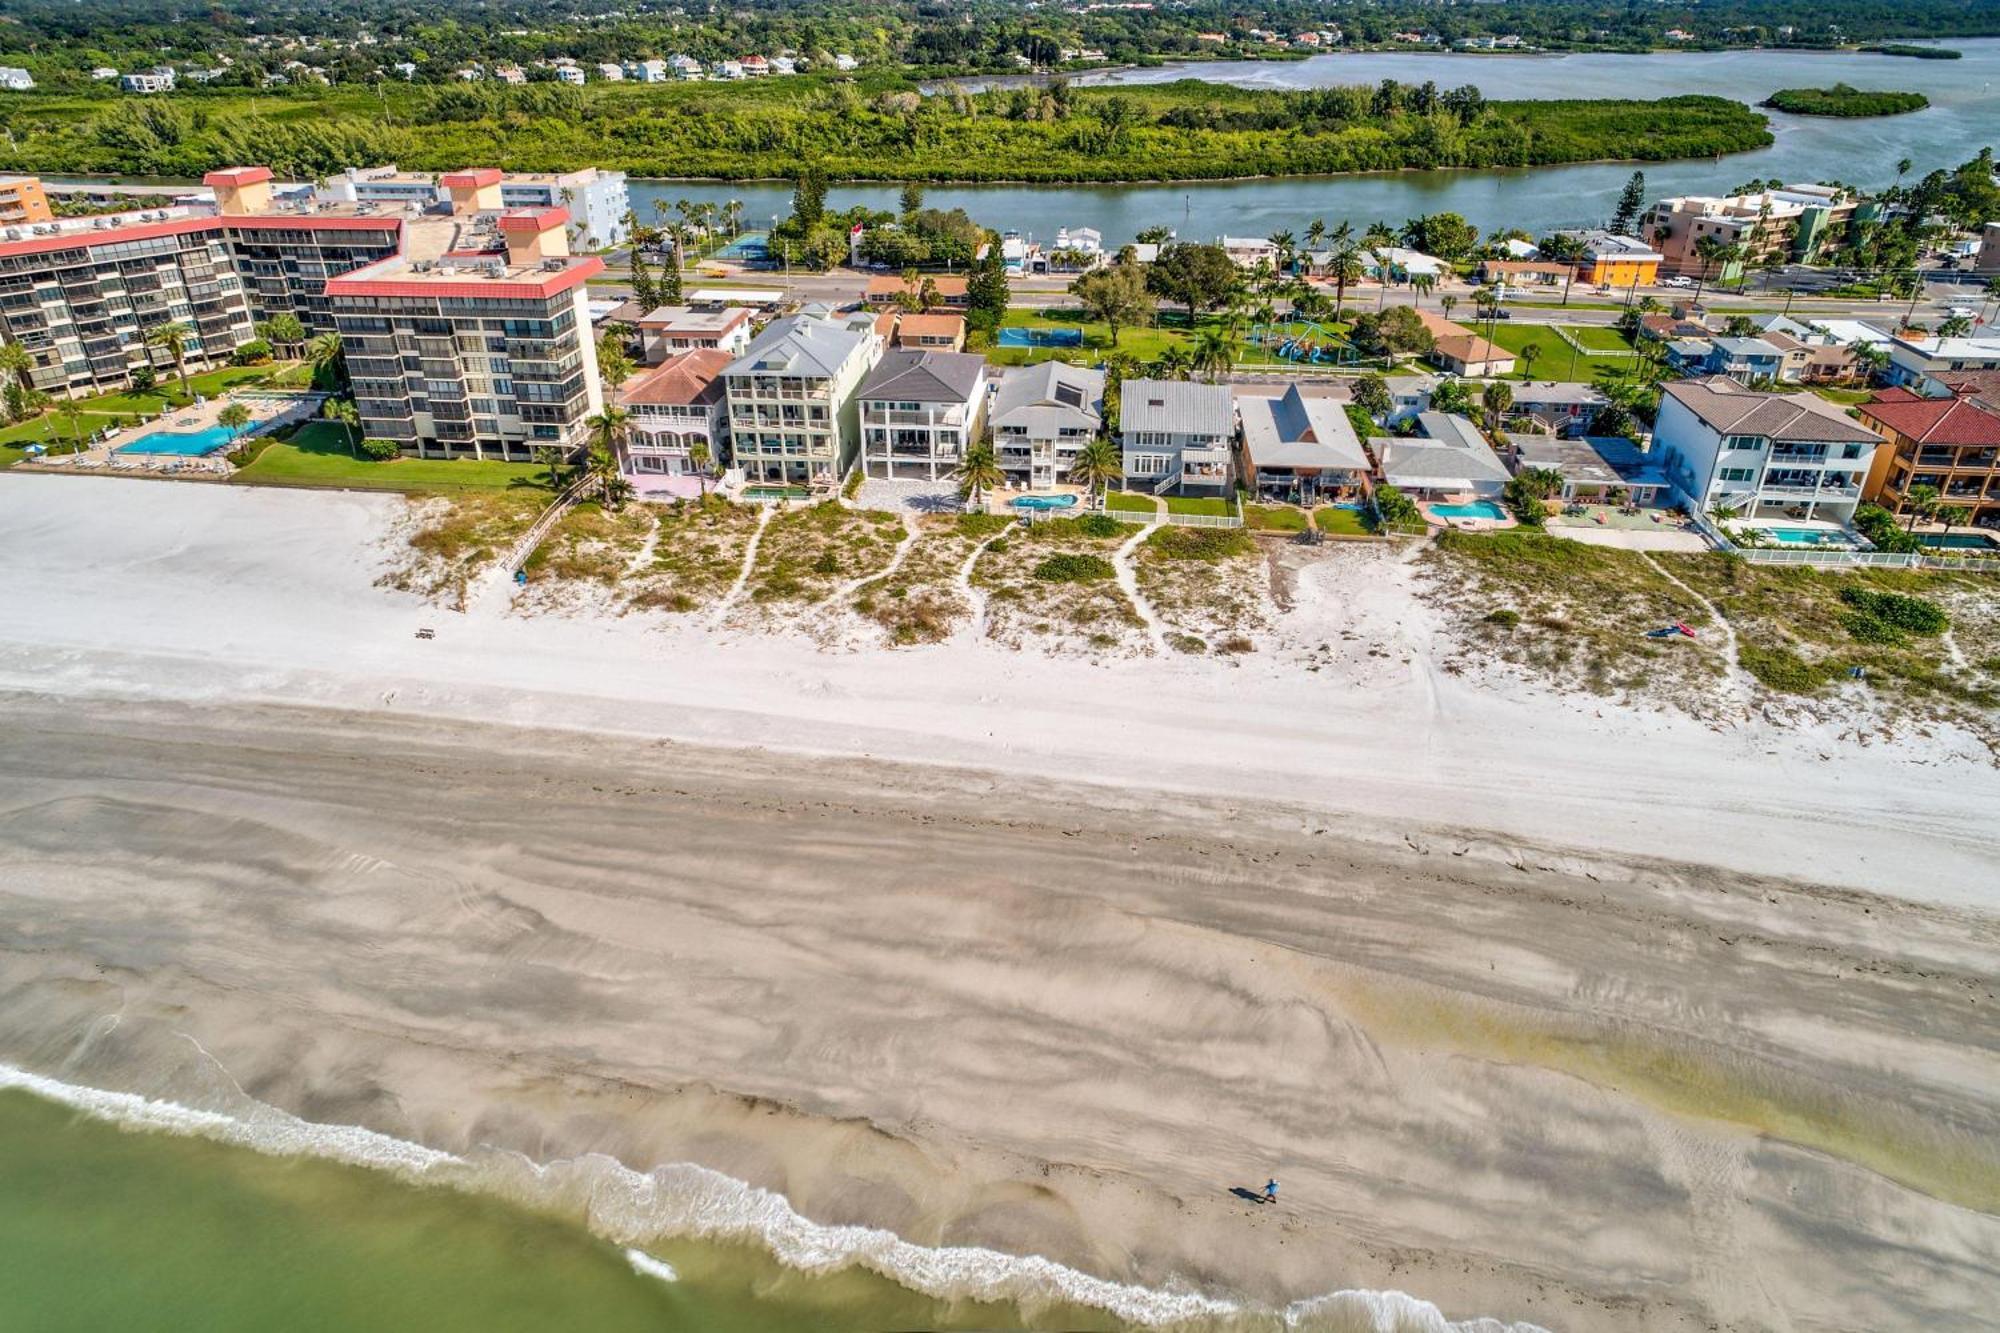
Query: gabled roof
{"points": [[1175, 407], [1470, 349], [693, 377], [1730, 409], [1934, 420], [1292, 430], [1454, 457], [925, 377], [1035, 397], [799, 346]]}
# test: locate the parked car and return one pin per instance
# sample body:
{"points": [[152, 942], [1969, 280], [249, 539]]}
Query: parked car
{"points": [[1676, 282], [1961, 312]]}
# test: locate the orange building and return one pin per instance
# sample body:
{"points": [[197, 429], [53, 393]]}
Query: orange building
{"points": [[22, 201], [1611, 260]]}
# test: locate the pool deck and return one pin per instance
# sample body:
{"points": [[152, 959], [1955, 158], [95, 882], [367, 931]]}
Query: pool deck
{"points": [[104, 456], [1429, 508]]}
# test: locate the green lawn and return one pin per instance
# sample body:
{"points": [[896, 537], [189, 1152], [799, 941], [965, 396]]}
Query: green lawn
{"points": [[1341, 522], [1598, 338], [1141, 344], [1274, 518], [1845, 397], [208, 384], [1128, 502], [318, 456], [1557, 361], [1187, 504]]}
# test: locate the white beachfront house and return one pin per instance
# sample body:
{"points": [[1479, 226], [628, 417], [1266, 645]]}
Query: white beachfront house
{"points": [[1451, 461], [1249, 251], [919, 410], [1175, 436], [673, 329], [1762, 455], [1042, 415], [792, 414]]}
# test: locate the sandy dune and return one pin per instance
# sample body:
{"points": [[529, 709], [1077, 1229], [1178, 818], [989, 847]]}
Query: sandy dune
{"points": [[1126, 938]]}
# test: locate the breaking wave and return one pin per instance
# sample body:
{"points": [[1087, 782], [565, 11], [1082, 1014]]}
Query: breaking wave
{"points": [[683, 1201]]}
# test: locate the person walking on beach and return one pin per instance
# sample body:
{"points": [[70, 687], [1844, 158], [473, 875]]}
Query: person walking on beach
{"points": [[1270, 1191]]}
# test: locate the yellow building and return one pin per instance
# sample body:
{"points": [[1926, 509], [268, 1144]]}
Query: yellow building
{"points": [[1610, 260]]}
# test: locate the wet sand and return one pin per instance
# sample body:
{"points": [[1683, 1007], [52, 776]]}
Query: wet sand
{"points": [[1581, 1090]]}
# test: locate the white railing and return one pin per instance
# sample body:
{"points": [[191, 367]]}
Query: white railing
{"points": [[1821, 557]]}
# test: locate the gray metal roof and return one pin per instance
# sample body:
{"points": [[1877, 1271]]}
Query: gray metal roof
{"points": [[1455, 456], [1293, 430], [912, 375], [799, 346], [1175, 407], [1037, 397]]}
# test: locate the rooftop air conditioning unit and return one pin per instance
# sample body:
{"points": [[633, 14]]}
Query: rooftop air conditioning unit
{"points": [[554, 265], [13, 233], [496, 270]]}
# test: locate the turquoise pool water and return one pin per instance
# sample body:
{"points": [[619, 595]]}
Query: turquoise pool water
{"points": [[1810, 537], [1959, 541], [188, 444], [1485, 509], [1045, 502]]}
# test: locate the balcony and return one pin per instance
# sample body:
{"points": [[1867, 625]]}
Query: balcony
{"points": [[1789, 492]]}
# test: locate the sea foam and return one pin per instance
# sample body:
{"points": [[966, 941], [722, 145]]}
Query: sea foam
{"points": [[685, 1201]]}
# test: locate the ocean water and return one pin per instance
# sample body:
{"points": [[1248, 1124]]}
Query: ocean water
{"points": [[121, 1213]]}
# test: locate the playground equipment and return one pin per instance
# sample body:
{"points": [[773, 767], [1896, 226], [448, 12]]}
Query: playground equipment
{"points": [[1312, 344]]}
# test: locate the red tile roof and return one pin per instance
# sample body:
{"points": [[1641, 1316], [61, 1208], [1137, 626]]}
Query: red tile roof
{"points": [[83, 240], [472, 179], [534, 220], [691, 377], [1934, 420]]}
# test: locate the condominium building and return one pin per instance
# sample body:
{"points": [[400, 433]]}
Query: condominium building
{"points": [[1951, 444], [81, 294], [671, 409], [1798, 223], [474, 341], [597, 201], [1041, 416], [1762, 455], [1175, 436], [792, 411], [22, 202], [919, 411]]}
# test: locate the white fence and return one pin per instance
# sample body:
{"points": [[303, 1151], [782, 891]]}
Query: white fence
{"points": [[1822, 558], [1155, 518], [534, 535]]}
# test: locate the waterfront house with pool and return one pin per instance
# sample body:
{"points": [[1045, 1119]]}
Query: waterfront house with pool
{"points": [[1951, 444], [1762, 455], [1451, 462], [919, 410], [1041, 415], [1175, 436], [792, 414]]}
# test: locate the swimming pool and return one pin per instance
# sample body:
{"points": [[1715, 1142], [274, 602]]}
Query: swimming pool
{"points": [[1045, 502], [1809, 537], [1038, 338], [186, 444], [1959, 541], [1485, 509]]}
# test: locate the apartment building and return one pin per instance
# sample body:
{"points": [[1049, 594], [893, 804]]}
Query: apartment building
{"points": [[22, 202], [597, 201], [792, 411], [1762, 455], [1175, 435], [81, 294], [1041, 416], [1917, 360], [919, 410], [474, 341], [1951, 444], [671, 408], [1798, 223]]}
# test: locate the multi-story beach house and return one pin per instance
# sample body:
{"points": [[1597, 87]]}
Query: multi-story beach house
{"points": [[1175, 435], [919, 410], [1951, 444], [1917, 360], [1762, 455], [671, 409], [81, 294], [1298, 448], [792, 413], [474, 351], [673, 329], [1042, 415]]}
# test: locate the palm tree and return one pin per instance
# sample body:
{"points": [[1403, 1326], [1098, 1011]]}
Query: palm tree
{"points": [[16, 365], [172, 338], [72, 416], [1097, 465], [1344, 267], [978, 472], [326, 353], [1316, 233], [349, 417], [1214, 351], [1951, 516], [1287, 246], [699, 457], [1529, 351], [552, 457], [1565, 250], [1958, 326], [1175, 362], [233, 417], [1421, 283], [1710, 251], [1922, 503]]}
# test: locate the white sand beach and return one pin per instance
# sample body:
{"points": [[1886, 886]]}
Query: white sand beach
{"points": [[1543, 1008]]}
